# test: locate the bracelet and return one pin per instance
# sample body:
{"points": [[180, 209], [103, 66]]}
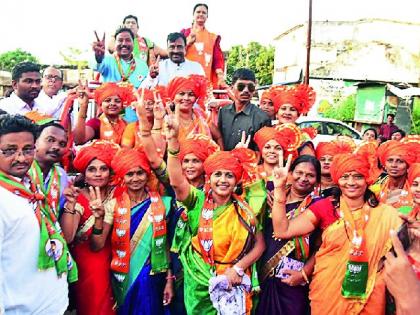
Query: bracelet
{"points": [[156, 132], [67, 210], [84, 117], [97, 231], [171, 277], [279, 201], [304, 275], [173, 152], [157, 128], [145, 134]]}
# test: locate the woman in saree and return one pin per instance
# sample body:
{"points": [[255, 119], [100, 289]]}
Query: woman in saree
{"points": [[289, 104], [184, 92], [394, 190], [82, 220], [109, 125], [355, 237], [142, 280], [287, 263], [221, 235], [204, 47]]}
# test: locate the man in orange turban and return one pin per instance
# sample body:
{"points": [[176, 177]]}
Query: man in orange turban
{"points": [[396, 158]]}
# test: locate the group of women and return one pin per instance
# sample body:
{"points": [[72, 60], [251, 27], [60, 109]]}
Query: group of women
{"points": [[161, 219]]}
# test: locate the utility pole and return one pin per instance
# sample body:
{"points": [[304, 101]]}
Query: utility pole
{"points": [[308, 44]]}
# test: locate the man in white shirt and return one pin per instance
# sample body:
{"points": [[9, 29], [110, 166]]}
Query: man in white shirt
{"points": [[50, 98], [26, 83], [175, 66], [24, 288]]}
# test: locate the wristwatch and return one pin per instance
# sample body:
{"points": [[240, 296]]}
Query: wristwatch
{"points": [[239, 270]]}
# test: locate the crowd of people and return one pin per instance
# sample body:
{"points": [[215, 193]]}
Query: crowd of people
{"points": [[170, 202]]}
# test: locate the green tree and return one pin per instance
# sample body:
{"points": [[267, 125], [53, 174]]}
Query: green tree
{"points": [[74, 57], [9, 59], [255, 56], [344, 110]]}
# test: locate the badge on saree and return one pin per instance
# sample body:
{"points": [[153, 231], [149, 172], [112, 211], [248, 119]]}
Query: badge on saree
{"points": [[357, 272]]}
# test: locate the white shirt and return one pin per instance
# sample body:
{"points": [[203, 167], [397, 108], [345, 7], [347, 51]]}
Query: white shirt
{"points": [[51, 105], [169, 70], [23, 288], [15, 105]]}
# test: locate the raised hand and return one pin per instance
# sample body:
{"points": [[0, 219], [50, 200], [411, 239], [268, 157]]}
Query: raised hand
{"points": [[159, 111], [71, 193], [82, 92], [154, 68], [95, 202], [99, 47], [281, 172], [191, 38], [141, 111], [171, 122], [245, 140]]}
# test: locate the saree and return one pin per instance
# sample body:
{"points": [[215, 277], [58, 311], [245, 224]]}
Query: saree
{"points": [[230, 240], [400, 199], [277, 297], [93, 291], [331, 260], [143, 293]]}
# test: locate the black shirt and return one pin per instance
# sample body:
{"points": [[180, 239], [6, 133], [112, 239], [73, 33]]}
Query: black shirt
{"points": [[232, 123]]}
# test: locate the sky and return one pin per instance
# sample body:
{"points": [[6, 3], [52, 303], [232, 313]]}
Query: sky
{"points": [[46, 27]]}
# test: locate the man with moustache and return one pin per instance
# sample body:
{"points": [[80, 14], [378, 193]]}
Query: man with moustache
{"points": [[121, 66], [26, 84], [45, 171], [242, 116], [160, 73], [31, 281]]}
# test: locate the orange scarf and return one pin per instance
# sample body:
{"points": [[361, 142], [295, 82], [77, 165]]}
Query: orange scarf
{"points": [[111, 132]]}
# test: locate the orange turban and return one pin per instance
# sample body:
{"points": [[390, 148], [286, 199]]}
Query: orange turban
{"points": [[196, 83], [413, 141], [344, 163], [127, 159], [301, 97], [236, 161], [200, 145], [148, 94], [393, 147], [266, 134], [100, 150], [333, 148], [266, 95], [413, 172], [112, 89]]}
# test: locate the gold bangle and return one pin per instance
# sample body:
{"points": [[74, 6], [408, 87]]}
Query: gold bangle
{"points": [[157, 128], [304, 275], [173, 152], [279, 201], [156, 132], [145, 134]]}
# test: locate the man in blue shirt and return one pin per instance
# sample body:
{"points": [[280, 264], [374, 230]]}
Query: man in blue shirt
{"points": [[121, 65]]}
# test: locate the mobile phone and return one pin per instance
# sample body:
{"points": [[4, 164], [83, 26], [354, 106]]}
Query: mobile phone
{"points": [[403, 236], [269, 185]]}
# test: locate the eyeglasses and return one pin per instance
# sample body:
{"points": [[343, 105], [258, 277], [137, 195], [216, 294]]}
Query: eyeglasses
{"points": [[250, 86], [14, 152], [53, 77]]}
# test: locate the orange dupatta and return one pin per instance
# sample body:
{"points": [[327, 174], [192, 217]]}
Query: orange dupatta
{"points": [[108, 131]]}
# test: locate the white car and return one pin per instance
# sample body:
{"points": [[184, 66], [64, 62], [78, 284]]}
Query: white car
{"points": [[328, 129]]}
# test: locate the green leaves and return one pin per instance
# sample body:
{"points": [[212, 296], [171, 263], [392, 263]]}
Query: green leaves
{"points": [[11, 58], [255, 56]]}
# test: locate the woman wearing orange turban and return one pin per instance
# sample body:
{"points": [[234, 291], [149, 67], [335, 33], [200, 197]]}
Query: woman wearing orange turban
{"points": [[396, 158], [109, 125], [184, 92], [142, 280], [219, 227], [325, 151], [83, 220], [355, 237]]}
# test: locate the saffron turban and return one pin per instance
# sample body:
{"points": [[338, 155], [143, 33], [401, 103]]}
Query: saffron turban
{"points": [[266, 134], [266, 95], [413, 172], [344, 163], [241, 162], [393, 147], [108, 89], [199, 145], [100, 150], [301, 97], [332, 148], [126, 159], [195, 83]]}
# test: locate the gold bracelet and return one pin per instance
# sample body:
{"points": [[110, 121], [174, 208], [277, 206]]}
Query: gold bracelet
{"points": [[279, 201], [157, 128], [156, 132], [304, 275], [145, 134], [173, 152]]}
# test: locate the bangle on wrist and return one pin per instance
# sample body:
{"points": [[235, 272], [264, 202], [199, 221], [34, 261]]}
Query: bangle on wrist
{"points": [[173, 152], [304, 275], [67, 210], [97, 231], [239, 270], [282, 201], [157, 128]]}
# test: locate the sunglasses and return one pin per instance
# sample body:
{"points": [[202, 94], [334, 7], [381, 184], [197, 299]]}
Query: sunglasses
{"points": [[250, 86]]}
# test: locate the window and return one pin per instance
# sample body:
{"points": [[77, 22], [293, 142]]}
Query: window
{"points": [[315, 124], [333, 129]]}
